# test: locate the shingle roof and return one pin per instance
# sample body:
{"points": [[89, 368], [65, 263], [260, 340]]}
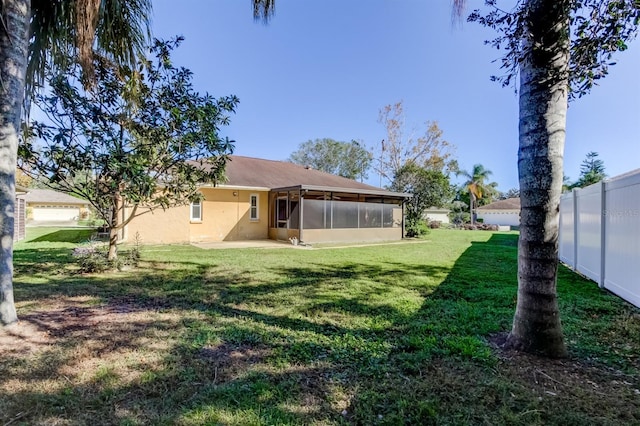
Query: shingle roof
{"points": [[50, 196], [257, 172], [508, 204]]}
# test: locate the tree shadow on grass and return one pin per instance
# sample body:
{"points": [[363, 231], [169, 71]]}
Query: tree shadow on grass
{"points": [[343, 342]]}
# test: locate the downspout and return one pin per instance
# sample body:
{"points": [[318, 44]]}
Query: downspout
{"points": [[603, 233], [404, 200], [300, 214]]}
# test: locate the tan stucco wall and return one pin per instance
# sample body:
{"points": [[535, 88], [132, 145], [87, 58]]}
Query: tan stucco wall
{"points": [[225, 217], [160, 226]]}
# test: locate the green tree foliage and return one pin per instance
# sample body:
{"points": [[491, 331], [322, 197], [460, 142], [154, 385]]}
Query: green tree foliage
{"points": [[401, 145], [144, 147], [44, 34], [346, 159], [591, 171], [511, 193], [430, 188]]}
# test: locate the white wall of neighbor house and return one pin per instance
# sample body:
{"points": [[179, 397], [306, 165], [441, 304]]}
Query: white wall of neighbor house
{"points": [[499, 217], [437, 215], [55, 213]]}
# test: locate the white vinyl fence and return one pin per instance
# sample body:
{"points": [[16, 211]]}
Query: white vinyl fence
{"points": [[600, 234]]}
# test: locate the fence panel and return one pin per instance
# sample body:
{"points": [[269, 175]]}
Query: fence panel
{"points": [[566, 238], [599, 234], [589, 220], [622, 238]]}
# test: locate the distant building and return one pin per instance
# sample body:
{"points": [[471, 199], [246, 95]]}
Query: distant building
{"points": [[437, 214], [503, 212], [47, 205]]}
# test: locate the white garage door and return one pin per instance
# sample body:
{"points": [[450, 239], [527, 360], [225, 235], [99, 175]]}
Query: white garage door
{"points": [[55, 213]]}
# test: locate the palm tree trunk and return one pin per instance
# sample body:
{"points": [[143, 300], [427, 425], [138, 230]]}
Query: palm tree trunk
{"points": [[13, 60], [543, 109], [472, 201]]}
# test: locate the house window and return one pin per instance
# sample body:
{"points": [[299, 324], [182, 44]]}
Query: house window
{"points": [[253, 207], [196, 211]]}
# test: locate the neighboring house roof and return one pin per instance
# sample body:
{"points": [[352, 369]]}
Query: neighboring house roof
{"points": [[255, 172], [21, 189], [508, 204], [50, 196]]}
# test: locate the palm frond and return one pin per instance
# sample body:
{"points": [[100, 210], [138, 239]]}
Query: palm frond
{"points": [[66, 32], [263, 10]]}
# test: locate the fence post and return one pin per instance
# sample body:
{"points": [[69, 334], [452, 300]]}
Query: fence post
{"points": [[574, 197], [603, 232]]}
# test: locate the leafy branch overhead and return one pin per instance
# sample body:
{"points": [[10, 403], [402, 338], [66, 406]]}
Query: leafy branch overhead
{"points": [[598, 29], [141, 137]]}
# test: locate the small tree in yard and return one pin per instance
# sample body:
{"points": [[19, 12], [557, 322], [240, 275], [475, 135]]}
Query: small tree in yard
{"points": [[140, 138], [430, 188]]}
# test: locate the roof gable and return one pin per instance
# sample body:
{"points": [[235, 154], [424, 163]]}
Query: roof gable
{"points": [[508, 204], [50, 196]]}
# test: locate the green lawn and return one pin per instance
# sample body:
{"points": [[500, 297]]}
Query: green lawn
{"points": [[388, 334]]}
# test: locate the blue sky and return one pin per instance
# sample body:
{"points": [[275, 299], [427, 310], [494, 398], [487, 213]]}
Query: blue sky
{"points": [[325, 69]]}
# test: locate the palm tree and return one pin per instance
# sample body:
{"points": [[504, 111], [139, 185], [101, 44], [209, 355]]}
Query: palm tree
{"points": [[544, 87], [476, 185], [49, 35], [543, 37]]}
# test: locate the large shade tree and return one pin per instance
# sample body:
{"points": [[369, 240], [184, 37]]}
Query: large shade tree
{"points": [[129, 161], [346, 159], [41, 35], [558, 49]]}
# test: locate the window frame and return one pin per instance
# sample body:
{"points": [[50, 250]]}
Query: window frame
{"points": [[255, 208], [192, 218]]}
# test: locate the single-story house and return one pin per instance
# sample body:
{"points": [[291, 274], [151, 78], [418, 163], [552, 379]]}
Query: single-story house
{"points": [[46, 205], [266, 199], [503, 212]]}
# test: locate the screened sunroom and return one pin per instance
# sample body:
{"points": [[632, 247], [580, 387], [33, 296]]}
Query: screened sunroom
{"points": [[315, 214]]}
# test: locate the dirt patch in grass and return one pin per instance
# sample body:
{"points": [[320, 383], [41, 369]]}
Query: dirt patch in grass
{"points": [[570, 384], [230, 361]]}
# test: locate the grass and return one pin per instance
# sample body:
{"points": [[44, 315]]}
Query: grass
{"points": [[394, 334]]}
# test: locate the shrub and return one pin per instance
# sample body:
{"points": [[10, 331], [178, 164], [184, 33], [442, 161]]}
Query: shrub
{"points": [[92, 257], [416, 229]]}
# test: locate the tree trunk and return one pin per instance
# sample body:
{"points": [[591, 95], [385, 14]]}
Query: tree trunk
{"points": [[14, 41], [115, 227], [543, 109], [472, 197]]}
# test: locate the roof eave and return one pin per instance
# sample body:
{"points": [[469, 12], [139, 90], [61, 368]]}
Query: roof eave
{"points": [[364, 191]]}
